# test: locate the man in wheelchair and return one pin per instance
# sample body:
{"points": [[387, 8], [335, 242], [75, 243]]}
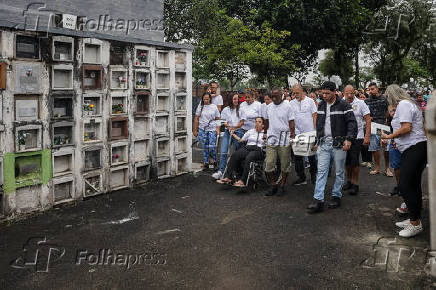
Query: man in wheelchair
{"points": [[244, 156]]}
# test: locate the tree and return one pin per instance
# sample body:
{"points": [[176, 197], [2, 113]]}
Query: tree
{"points": [[337, 63]]}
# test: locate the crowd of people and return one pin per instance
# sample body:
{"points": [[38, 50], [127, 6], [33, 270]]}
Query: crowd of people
{"points": [[347, 127]]}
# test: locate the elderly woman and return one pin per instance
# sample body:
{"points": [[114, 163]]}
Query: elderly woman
{"points": [[410, 139], [206, 128]]}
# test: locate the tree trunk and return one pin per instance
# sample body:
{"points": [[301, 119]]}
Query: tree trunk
{"points": [[356, 64]]}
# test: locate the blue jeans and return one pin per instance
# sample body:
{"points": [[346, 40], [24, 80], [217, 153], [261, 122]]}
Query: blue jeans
{"points": [[225, 146], [208, 142], [326, 153]]}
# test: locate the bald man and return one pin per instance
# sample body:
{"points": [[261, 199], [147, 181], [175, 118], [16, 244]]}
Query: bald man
{"points": [[305, 121], [363, 118]]}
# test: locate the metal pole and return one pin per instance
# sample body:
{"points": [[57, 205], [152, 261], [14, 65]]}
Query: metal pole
{"points": [[430, 117]]}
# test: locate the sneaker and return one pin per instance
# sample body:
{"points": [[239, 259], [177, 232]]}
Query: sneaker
{"points": [[363, 164], [403, 209], [403, 224], [217, 175], [335, 202], [354, 190], [347, 185], [316, 206], [273, 191], [369, 164], [299, 181], [410, 231]]}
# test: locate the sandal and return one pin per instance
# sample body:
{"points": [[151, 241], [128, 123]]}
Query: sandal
{"points": [[388, 173], [224, 181], [373, 172], [239, 184]]}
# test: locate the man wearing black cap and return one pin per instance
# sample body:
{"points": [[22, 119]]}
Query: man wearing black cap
{"points": [[336, 128]]}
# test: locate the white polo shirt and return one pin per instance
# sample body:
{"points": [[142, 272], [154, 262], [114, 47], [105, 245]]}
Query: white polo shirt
{"points": [[231, 117], [360, 110], [303, 114]]}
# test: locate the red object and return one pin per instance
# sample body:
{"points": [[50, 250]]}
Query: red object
{"points": [[242, 99]]}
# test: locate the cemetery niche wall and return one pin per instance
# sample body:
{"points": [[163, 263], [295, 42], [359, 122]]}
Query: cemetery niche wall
{"points": [[83, 116]]}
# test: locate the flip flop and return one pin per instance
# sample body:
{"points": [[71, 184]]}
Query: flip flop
{"points": [[220, 181], [373, 172], [240, 185], [388, 174]]}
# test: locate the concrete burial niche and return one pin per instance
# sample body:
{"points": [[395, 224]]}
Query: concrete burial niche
{"points": [[63, 163], [92, 51], [62, 48], [163, 102], [180, 60], [62, 77], [181, 144], [27, 78], [162, 59], [3, 76], [142, 128], [162, 125], [142, 172], [142, 79], [119, 128], [141, 57], [27, 107], [27, 47], [92, 159], [92, 77], [119, 153], [62, 134], [143, 102], [92, 105], [93, 184], [28, 138], [118, 78], [119, 178], [141, 149], [119, 105], [92, 130], [163, 167], [180, 103], [163, 147], [180, 126], [180, 81], [182, 164], [62, 189], [62, 107], [163, 79]]}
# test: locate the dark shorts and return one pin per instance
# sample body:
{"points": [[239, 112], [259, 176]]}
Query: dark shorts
{"points": [[354, 153]]}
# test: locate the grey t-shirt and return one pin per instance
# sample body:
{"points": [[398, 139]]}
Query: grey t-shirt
{"points": [[328, 126]]}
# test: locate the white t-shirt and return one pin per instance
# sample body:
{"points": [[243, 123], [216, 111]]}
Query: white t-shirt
{"points": [[217, 100], [208, 115], [254, 138], [327, 126], [360, 110], [303, 115], [230, 116], [263, 110], [279, 117], [408, 113], [250, 113]]}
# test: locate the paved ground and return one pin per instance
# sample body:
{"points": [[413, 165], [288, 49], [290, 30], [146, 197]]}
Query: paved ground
{"points": [[202, 236]]}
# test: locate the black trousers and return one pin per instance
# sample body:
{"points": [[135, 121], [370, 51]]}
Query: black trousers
{"points": [[413, 162], [241, 160], [299, 165], [366, 155]]}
